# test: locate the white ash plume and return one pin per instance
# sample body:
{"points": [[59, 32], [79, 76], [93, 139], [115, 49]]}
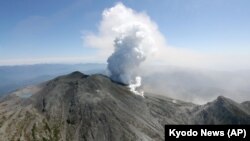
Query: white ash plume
{"points": [[130, 37], [132, 46]]}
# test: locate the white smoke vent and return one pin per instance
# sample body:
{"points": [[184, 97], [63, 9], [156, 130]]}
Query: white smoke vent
{"points": [[135, 85]]}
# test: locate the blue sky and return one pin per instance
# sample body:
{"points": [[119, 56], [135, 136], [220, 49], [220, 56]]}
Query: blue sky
{"points": [[51, 29]]}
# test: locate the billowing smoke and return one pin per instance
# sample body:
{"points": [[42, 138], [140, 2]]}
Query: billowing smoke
{"points": [[127, 38], [133, 45]]}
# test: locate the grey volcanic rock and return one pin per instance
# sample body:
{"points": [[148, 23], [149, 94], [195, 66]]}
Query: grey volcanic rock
{"points": [[78, 107], [221, 111], [246, 104]]}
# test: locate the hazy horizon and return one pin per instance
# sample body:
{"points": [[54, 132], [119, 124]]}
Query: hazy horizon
{"points": [[190, 85]]}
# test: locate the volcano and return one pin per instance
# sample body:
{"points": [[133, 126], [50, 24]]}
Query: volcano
{"points": [[79, 107]]}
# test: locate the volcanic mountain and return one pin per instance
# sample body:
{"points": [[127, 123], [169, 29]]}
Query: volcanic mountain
{"points": [[79, 107]]}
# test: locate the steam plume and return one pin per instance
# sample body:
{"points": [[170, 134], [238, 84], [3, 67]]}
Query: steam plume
{"points": [[129, 37], [132, 45], [130, 52]]}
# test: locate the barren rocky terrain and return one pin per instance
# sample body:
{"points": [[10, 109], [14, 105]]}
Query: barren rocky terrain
{"points": [[78, 107]]}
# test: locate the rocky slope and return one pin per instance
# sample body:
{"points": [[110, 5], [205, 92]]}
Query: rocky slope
{"points": [[77, 107]]}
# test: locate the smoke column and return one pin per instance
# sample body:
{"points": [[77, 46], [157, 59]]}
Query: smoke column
{"points": [[127, 38], [131, 47]]}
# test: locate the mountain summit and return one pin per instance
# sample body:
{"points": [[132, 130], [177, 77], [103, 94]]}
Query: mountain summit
{"points": [[79, 107]]}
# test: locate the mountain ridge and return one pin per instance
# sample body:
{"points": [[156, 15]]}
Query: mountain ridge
{"points": [[93, 107]]}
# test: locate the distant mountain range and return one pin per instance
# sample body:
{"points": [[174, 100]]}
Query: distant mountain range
{"points": [[79, 107], [14, 77]]}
